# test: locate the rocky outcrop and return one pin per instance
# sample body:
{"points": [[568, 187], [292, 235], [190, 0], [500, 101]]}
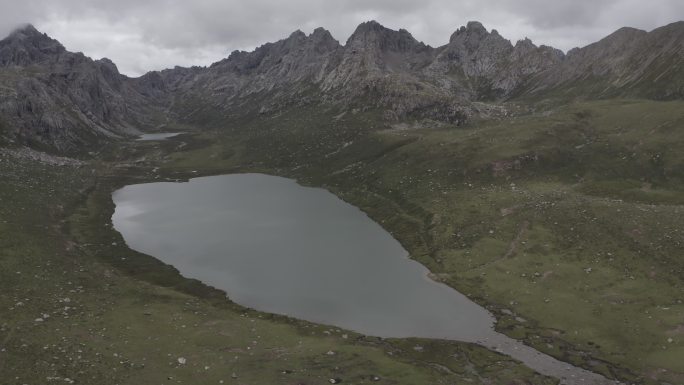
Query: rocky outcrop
{"points": [[50, 96]]}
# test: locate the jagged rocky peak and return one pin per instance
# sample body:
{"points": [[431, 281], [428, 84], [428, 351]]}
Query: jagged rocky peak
{"points": [[476, 27], [555, 52], [26, 45], [295, 40], [319, 42], [373, 35], [152, 83], [474, 35], [323, 40], [321, 33], [472, 29], [320, 38], [527, 47], [298, 34], [107, 65], [475, 50], [25, 31], [367, 27], [109, 72]]}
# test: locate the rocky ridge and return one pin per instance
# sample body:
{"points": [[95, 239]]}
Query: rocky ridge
{"points": [[57, 99]]}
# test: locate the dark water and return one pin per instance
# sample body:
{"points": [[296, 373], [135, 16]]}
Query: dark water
{"points": [[158, 136], [276, 246]]}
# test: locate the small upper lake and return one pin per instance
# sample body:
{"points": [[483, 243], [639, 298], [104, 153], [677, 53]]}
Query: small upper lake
{"points": [[158, 136], [279, 247]]}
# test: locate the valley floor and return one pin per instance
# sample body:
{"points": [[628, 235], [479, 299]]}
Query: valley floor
{"points": [[566, 224]]}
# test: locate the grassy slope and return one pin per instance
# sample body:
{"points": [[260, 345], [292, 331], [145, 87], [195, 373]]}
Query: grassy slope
{"points": [[566, 224], [76, 304]]}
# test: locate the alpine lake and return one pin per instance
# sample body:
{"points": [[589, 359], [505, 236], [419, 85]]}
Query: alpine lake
{"points": [[278, 247]]}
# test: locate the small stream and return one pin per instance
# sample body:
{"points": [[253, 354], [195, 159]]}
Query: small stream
{"points": [[279, 247]]}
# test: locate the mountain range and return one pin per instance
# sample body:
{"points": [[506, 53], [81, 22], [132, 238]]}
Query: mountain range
{"points": [[57, 100]]}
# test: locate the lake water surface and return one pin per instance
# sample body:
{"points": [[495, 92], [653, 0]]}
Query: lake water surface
{"points": [[158, 136], [278, 247]]}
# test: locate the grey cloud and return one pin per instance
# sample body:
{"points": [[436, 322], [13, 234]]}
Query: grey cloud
{"points": [[546, 14], [154, 34]]}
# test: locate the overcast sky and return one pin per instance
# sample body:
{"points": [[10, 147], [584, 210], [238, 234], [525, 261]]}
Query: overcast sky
{"points": [[144, 35]]}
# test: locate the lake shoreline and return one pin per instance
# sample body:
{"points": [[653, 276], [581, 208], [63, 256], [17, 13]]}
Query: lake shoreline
{"points": [[518, 350]]}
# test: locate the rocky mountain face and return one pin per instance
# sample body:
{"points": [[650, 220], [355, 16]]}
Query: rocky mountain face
{"points": [[377, 67], [629, 62], [52, 97], [280, 72]]}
